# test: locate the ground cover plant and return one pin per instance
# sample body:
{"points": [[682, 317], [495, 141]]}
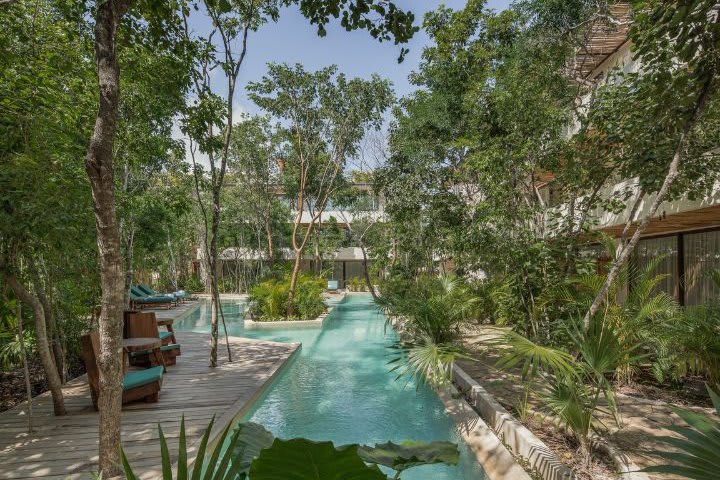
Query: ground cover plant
{"points": [[268, 301]]}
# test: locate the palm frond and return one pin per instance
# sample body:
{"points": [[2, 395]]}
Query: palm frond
{"points": [[534, 357], [426, 362], [697, 454]]}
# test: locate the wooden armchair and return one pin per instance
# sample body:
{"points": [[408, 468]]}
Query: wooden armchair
{"points": [[144, 325], [138, 385]]}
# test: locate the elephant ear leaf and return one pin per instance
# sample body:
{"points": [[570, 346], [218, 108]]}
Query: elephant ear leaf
{"points": [[408, 454], [252, 439], [301, 459]]}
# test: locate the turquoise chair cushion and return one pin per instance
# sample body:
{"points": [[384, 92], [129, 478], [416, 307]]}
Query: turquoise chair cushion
{"points": [[164, 335], [145, 289], [164, 348], [153, 293], [142, 377]]}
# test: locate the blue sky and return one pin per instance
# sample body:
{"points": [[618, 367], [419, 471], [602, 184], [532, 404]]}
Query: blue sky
{"points": [[293, 40]]}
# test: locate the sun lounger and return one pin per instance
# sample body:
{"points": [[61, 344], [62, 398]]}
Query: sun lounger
{"points": [[141, 299], [179, 295]]}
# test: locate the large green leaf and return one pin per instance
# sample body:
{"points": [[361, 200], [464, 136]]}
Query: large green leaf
{"points": [[698, 453], [409, 454], [301, 459], [252, 438]]}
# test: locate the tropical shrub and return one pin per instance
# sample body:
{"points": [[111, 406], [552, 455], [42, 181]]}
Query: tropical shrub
{"points": [[356, 284], [433, 308], [309, 302], [254, 453], [11, 354], [571, 384], [693, 344], [193, 284], [697, 454], [425, 361], [433, 312], [504, 305], [268, 300], [639, 317]]}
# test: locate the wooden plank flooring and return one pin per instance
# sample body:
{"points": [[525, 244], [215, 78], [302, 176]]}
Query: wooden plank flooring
{"points": [[66, 447]]}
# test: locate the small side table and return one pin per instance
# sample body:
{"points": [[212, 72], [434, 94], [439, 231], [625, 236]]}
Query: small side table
{"points": [[142, 344]]}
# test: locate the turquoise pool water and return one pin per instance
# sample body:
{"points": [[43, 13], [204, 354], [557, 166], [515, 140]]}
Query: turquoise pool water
{"points": [[339, 387]]}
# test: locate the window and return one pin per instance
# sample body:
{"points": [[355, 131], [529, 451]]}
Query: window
{"points": [[702, 255], [666, 248]]}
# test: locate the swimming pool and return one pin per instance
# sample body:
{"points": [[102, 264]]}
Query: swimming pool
{"points": [[339, 387]]}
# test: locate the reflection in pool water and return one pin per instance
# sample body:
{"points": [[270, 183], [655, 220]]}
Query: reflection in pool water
{"points": [[340, 388]]}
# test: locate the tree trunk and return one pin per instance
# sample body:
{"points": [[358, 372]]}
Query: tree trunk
{"points": [[26, 368], [368, 280], [43, 347], [52, 332], [293, 284], [212, 263], [316, 253], [99, 168], [129, 273], [672, 173], [268, 233], [173, 265], [215, 308]]}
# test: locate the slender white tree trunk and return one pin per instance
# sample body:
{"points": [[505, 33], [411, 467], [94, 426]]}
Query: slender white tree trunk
{"points": [[672, 173]]}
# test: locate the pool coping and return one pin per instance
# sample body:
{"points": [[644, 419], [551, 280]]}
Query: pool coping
{"points": [[539, 457], [491, 454]]}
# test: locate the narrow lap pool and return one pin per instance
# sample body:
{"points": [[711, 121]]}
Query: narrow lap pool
{"points": [[339, 387]]}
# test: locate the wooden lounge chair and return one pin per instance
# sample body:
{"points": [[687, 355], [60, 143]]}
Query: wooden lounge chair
{"points": [[144, 325], [137, 385]]}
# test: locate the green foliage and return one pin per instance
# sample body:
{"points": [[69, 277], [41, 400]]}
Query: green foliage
{"points": [[215, 465], [357, 284], [432, 312], [11, 348], [381, 18], [697, 454], [252, 440], [410, 454], [501, 301], [571, 384], [251, 452], [424, 361], [435, 308], [692, 345], [301, 459], [192, 284], [534, 358], [268, 300]]}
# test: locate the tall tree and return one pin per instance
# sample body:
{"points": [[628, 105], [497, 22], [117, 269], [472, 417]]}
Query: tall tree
{"points": [[327, 117], [210, 121], [255, 163]]}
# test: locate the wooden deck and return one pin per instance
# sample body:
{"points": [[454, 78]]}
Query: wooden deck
{"points": [[66, 447]]}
